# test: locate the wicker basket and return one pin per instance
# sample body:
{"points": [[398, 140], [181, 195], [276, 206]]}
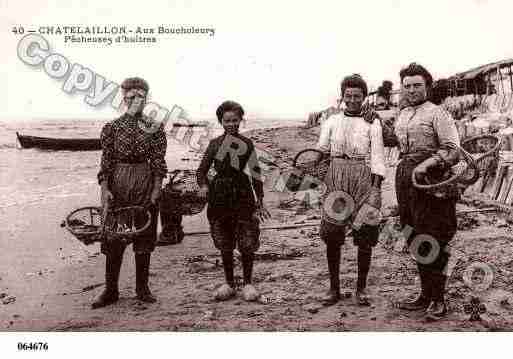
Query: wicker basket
{"points": [[453, 182], [85, 224], [124, 224], [180, 194], [89, 225], [485, 151], [315, 168]]}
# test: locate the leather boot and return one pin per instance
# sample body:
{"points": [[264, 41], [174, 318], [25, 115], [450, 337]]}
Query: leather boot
{"points": [[333, 295], [111, 292], [142, 271], [437, 308], [422, 301]]}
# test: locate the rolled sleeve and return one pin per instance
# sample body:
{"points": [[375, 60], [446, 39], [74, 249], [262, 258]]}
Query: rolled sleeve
{"points": [[158, 154], [107, 160], [448, 137], [377, 150]]}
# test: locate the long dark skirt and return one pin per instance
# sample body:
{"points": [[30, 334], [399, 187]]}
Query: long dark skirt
{"points": [[131, 185], [426, 214]]}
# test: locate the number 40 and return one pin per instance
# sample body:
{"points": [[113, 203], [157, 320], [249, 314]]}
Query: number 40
{"points": [[18, 30]]}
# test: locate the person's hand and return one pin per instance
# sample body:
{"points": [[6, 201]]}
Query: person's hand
{"points": [[374, 199], [420, 172], [155, 195], [203, 191], [368, 113], [106, 196]]}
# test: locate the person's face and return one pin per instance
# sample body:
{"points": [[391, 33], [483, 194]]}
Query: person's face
{"points": [[231, 122], [381, 103], [353, 98], [134, 99], [414, 89]]}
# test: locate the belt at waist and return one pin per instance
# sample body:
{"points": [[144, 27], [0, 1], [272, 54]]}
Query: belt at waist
{"points": [[131, 162], [139, 165], [415, 156], [353, 158]]}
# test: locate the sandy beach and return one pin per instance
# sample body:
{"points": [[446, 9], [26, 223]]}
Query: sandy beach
{"points": [[290, 272]]}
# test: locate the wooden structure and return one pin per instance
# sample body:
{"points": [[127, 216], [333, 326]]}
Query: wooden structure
{"points": [[483, 81]]}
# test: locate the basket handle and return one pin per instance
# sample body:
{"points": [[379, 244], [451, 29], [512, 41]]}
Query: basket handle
{"points": [[466, 157], [105, 212], [294, 161], [145, 227]]}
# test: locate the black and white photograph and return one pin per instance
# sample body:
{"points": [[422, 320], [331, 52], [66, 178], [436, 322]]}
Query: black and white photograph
{"points": [[189, 173]]}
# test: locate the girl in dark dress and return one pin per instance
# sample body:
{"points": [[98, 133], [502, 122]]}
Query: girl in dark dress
{"points": [[232, 210], [132, 169]]}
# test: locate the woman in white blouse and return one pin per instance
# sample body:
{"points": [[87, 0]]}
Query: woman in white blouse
{"points": [[354, 141]]}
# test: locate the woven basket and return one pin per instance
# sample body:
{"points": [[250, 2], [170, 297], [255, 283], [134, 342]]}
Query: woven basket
{"points": [[485, 151], [120, 224], [315, 168], [89, 225], [85, 224], [180, 194], [453, 182]]}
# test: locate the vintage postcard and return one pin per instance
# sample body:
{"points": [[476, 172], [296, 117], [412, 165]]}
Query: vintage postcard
{"points": [[271, 166]]}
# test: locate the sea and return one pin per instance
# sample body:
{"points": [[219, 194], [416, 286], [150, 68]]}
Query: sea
{"points": [[33, 175], [39, 188]]}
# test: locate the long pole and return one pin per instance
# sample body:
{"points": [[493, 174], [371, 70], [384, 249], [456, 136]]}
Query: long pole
{"points": [[316, 223]]}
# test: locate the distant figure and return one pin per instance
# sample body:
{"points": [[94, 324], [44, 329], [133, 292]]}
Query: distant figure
{"points": [[381, 103], [383, 96]]}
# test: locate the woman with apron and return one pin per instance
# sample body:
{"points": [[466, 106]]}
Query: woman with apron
{"points": [[355, 143], [428, 141], [132, 169]]}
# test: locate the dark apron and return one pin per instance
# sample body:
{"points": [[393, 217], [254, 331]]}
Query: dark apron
{"points": [[131, 184]]}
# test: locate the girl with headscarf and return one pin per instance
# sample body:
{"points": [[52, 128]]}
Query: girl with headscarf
{"points": [[132, 169], [355, 142]]}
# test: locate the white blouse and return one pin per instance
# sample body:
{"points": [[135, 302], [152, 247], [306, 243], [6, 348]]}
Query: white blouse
{"points": [[353, 136]]}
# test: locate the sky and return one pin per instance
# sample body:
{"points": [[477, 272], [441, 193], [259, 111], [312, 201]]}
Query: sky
{"points": [[278, 59]]}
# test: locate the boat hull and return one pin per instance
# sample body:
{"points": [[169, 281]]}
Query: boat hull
{"points": [[59, 144]]}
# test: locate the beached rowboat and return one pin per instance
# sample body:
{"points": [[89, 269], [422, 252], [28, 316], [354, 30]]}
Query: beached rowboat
{"points": [[59, 144]]}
